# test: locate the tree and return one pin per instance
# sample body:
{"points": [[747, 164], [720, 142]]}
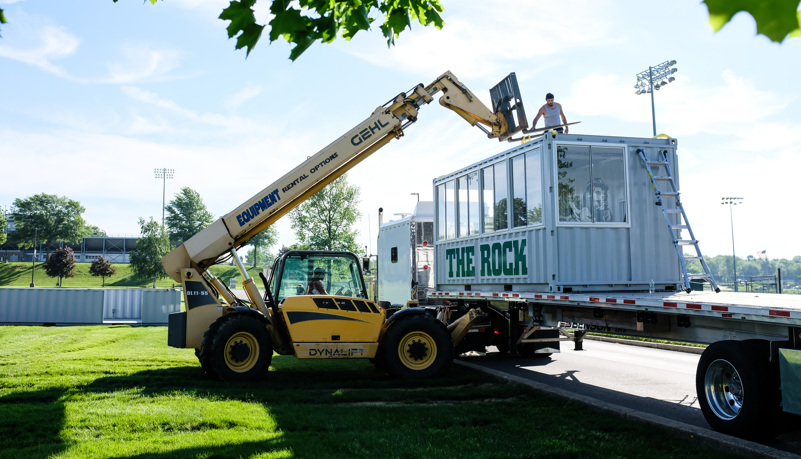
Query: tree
{"points": [[47, 218], [60, 263], [186, 215], [3, 227], [777, 20], [92, 230], [303, 23], [323, 20], [261, 244], [103, 268], [325, 221], [154, 244]]}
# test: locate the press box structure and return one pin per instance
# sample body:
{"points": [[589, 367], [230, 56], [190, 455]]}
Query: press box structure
{"points": [[560, 213]]}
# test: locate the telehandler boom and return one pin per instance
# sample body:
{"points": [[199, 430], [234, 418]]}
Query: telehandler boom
{"points": [[235, 339]]}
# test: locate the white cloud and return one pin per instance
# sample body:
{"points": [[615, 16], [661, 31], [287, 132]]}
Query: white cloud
{"points": [[52, 43], [142, 63], [507, 34], [164, 108], [235, 100]]}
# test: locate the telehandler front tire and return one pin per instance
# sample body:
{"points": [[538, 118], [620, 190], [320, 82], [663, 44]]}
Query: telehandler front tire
{"points": [[238, 348], [417, 347]]}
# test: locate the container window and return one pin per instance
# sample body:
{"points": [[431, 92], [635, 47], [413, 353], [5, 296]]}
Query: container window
{"points": [[473, 223], [446, 211], [487, 178], [534, 187], [519, 217], [501, 220], [464, 215], [441, 212], [450, 210], [592, 185]]}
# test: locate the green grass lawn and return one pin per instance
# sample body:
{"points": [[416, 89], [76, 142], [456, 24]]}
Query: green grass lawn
{"points": [[19, 275], [120, 391]]}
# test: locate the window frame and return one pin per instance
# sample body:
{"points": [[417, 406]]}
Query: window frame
{"points": [[626, 189]]}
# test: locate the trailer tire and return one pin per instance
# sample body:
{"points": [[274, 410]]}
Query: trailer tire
{"points": [[417, 347], [237, 347], [734, 384]]}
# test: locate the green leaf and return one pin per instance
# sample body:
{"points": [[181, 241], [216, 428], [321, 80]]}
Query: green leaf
{"points": [[302, 43], [2, 17], [240, 13], [776, 19], [286, 23], [249, 37], [397, 20]]}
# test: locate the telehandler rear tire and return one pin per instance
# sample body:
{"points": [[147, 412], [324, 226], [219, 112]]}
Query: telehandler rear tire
{"points": [[239, 348], [417, 347]]}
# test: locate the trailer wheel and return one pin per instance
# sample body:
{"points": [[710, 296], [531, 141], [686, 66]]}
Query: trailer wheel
{"points": [[735, 389], [240, 348], [417, 347]]}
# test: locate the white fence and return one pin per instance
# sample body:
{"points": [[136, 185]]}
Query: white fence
{"points": [[87, 306]]}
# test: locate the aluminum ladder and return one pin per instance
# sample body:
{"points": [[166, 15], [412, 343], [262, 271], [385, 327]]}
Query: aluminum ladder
{"points": [[665, 187]]}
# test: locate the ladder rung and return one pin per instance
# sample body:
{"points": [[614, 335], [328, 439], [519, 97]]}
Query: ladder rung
{"points": [[667, 179], [687, 242], [693, 258], [657, 163], [669, 193], [680, 226]]}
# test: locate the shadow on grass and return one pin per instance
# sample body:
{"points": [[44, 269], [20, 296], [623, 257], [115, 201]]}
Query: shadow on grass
{"points": [[11, 272], [325, 408], [34, 422]]}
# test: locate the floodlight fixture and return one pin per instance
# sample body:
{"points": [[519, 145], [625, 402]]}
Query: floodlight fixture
{"points": [[164, 174], [653, 79]]}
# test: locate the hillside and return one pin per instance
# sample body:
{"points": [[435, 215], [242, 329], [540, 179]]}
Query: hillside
{"points": [[19, 275]]}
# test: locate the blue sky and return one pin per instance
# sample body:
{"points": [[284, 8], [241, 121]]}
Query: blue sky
{"points": [[97, 95]]}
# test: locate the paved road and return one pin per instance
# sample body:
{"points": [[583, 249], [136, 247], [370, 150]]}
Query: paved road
{"points": [[653, 381]]}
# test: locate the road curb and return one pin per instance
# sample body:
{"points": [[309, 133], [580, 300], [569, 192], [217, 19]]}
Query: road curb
{"points": [[706, 436], [663, 346]]}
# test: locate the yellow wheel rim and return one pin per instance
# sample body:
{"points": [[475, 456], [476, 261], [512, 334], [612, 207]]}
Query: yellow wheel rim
{"points": [[417, 350], [241, 352]]}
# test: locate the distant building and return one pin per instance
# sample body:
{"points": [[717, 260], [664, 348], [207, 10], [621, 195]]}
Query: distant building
{"points": [[113, 249]]}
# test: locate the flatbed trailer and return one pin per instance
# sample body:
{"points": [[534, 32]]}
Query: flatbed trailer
{"points": [[749, 373], [595, 239]]}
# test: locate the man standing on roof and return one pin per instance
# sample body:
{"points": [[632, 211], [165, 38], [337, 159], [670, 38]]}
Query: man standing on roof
{"points": [[552, 112]]}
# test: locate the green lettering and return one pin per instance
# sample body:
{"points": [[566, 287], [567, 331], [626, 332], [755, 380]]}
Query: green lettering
{"points": [[486, 264], [497, 259], [508, 262], [469, 255], [521, 267], [450, 254], [460, 262]]}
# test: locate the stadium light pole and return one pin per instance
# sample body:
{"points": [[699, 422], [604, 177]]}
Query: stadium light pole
{"points": [[732, 202], [164, 174], [653, 79], [33, 265]]}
